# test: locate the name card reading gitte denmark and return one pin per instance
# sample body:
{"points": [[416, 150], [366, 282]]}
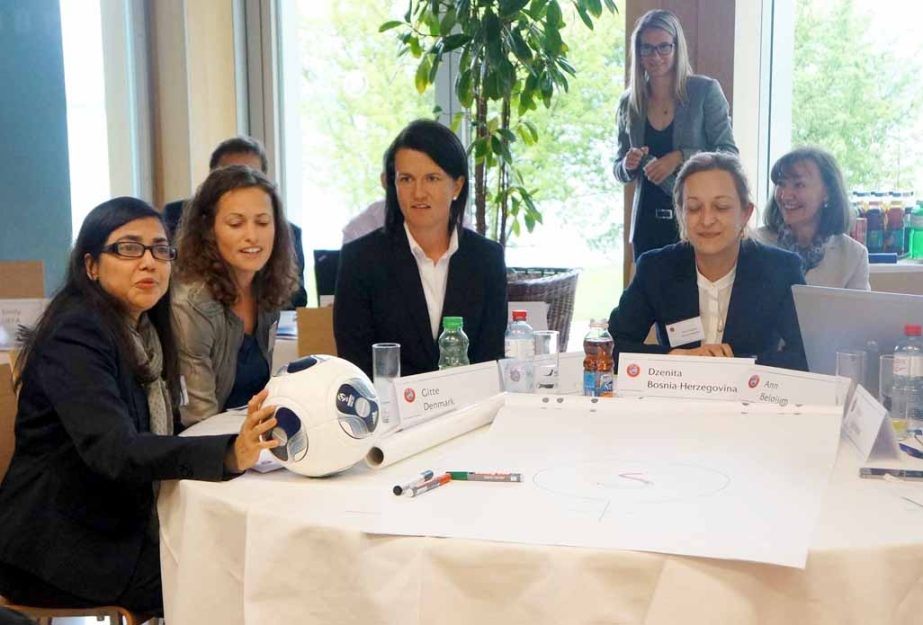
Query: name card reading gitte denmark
{"points": [[783, 387], [689, 377], [424, 396], [868, 427]]}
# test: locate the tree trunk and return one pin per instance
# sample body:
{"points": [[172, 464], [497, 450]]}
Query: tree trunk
{"points": [[503, 173], [480, 171]]}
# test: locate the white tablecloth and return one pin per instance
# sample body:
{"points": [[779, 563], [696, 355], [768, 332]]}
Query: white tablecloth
{"points": [[246, 551]]}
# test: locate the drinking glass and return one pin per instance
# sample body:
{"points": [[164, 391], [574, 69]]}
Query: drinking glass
{"points": [[886, 395], [886, 380], [546, 361], [850, 363], [386, 366]]}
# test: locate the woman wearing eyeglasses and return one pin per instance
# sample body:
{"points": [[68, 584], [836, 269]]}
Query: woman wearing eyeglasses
{"points": [[666, 115], [98, 387], [235, 275]]}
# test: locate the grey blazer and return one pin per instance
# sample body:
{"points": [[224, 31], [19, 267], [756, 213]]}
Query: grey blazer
{"points": [[701, 124], [209, 336]]}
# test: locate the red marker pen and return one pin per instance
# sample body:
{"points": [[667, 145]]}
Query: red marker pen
{"points": [[425, 487]]}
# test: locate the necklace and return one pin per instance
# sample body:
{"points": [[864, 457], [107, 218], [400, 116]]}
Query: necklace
{"points": [[662, 108]]}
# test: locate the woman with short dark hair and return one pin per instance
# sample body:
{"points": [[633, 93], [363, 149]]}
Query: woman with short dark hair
{"points": [[98, 391], [716, 292], [398, 282], [235, 273], [809, 214]]}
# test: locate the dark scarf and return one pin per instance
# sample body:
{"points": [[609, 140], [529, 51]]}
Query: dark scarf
{"points": [[146, 344], [810, 256]]}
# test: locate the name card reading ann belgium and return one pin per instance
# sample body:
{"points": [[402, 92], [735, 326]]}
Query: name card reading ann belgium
{"points": [[426, 395], [690, 377]]}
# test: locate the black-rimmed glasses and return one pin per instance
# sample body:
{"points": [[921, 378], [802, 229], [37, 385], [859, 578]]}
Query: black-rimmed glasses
{"points": [[132, 249], [663, 49]]}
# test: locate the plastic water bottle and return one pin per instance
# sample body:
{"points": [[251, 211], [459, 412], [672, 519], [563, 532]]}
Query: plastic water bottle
{"points": [[907, 394], [597, 365], [453, 343], [916, 232], [520, 347]]}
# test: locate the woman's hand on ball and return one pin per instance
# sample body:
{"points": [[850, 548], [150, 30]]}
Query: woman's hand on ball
{"points": [[250, 441]]}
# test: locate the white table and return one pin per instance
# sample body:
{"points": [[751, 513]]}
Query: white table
{"points": [[247, 551]]}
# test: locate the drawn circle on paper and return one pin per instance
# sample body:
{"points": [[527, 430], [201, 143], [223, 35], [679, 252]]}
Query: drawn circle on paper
{"points": [[641, 482]]}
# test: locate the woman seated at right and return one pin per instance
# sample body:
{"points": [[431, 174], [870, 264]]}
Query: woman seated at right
{"points": [[809, 214], [724, 294], [235, 273]]}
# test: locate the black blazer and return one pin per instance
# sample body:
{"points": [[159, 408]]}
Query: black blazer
{"points": [[761, 319], [379, 298], [78, 497], [173, 213]]}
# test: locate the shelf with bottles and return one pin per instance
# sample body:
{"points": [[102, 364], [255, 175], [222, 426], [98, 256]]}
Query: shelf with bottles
{"points": [[889, 222]]}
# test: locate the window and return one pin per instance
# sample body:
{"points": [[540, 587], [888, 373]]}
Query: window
{"points": [[854, 88], [87, 132], [580, 200], [349, 96], [107, 108], [346, 94]]}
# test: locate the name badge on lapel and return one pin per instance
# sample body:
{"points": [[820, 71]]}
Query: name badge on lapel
{"points": [[685, 332]]}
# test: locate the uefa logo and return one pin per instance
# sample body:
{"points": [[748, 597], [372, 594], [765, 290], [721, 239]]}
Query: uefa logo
{"points": [[754, 381], [633, 370], [409, 395]]}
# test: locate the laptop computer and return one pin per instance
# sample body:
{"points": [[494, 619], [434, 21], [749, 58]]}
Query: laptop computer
{"points": [[833, 320]]}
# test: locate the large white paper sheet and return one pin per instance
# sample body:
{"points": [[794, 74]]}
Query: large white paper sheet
{"points": [[714, 479]]}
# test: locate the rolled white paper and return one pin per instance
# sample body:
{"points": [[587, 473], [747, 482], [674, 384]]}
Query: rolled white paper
{"points": [[406, 443]]}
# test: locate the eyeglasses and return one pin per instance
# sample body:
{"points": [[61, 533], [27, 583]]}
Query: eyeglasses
{"points": [[663, 49], [131, 249]]}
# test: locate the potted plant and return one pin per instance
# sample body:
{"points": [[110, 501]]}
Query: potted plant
{"points": [[511, 58]]}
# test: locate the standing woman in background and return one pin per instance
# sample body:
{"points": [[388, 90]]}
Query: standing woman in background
{"points": [[809, 214], [666, 115], [236, 272]]}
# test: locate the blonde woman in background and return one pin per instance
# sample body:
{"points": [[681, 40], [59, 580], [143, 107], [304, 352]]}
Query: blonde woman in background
{"points": [[666, 116]]}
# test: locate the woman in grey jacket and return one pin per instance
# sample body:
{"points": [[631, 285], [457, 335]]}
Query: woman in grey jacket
{"points": [[235, 273], [809, 214], [665, 117]]}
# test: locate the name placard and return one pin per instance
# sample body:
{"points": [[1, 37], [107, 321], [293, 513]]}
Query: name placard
{"points": [[427, 395], [570, 373], [782, 387], [15, 313], [868, 427], [689, 377]]}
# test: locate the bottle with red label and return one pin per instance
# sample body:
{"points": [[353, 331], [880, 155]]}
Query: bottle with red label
{"points": [[597, 364]]}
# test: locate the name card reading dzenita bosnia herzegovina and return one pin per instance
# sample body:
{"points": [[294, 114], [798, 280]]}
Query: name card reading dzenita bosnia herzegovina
{"points": [[689, 377]]}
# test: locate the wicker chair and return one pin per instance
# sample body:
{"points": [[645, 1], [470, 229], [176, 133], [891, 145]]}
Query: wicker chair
{"points": [[116, 615], [555, 286]]}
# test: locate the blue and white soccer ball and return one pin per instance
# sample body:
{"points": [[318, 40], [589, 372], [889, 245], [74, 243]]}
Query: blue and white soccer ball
{"points": [[327, 412]]}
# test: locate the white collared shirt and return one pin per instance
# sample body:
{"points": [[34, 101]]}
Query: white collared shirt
{"points": [[433, 276], [714, 298]]}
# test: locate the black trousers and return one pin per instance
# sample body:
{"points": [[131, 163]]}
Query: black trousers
{"points": [[652, 231], [143, 594]]}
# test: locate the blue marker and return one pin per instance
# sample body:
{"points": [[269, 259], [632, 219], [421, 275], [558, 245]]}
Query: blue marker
{"points": [[400, 489]]}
